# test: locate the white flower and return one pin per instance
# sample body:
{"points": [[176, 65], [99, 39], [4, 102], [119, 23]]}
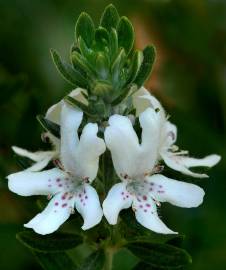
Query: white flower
{"points": [[70, 187], [41, 158], [177, 160], [54, 112], [135, 163]]}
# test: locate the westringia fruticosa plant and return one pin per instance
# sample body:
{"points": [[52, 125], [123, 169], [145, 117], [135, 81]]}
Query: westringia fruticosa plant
{"points": [[110, 140]]}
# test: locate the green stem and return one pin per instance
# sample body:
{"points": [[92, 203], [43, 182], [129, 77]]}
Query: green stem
{"points": [[108, 259]]}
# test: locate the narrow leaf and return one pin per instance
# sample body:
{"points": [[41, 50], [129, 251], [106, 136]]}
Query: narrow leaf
{"points": [[149, 54], [49, 243], [85, 28], [94, 262], [50, 126], [125, 34], [109, 18], [135, 66], [101, 38], [75, 103], [161, 256], [71, 75], [113, 43], [55, 261], [117, 66]]}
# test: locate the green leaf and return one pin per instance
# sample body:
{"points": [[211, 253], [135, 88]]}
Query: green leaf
{"points": [[117, 66], [113, 43], [77, 104], [49, 243], [135, 66], [102, 66], [79, 62], [85, 28], [101, 38], [123, 94], [94, 262], [149, 54], [161, 256], [71, 75], [125, 34], [50, 126], [109, 18], [55, 261]]}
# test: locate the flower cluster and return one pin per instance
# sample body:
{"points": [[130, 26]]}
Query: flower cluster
{"points": [[140, 142]]}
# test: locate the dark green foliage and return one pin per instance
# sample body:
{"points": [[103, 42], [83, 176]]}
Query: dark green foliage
{"points": [[125, 34], [56, 261], [146, 66], [85, 29], [160, 256], [71, 75], [56, 242], [110, 18], [94, 262], [104, 61]]}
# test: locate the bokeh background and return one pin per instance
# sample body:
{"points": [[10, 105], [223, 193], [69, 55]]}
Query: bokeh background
{"points": [[189, 77]]}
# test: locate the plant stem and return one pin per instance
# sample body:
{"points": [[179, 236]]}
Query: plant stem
{"points": [[108, 259]]}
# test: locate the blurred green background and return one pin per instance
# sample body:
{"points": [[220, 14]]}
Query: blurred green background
{"points": [[189, 77]]}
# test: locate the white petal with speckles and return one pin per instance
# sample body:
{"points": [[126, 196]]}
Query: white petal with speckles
{"points": [[175, 192], [27, 183], [88, 205], [146, 214], [117, 199], [53, 216]]}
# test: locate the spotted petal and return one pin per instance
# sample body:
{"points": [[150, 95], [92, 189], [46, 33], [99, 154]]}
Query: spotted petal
{"points": [[27, 183], [88, 205], [183, 163], [53, 216], [146, 214], [117, 199], [178, 193]]}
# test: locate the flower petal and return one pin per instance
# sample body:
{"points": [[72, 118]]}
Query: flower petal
{"points": [[89, 149], [178, 193], [117, 199], [71, 119], [168, 135], [53, 216], [88, 205], [123, 143], [41, 158], [140, 103], [151, 123], [27, 183], [182, 163], [146, 214], [208, 161], [53, 113]]}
